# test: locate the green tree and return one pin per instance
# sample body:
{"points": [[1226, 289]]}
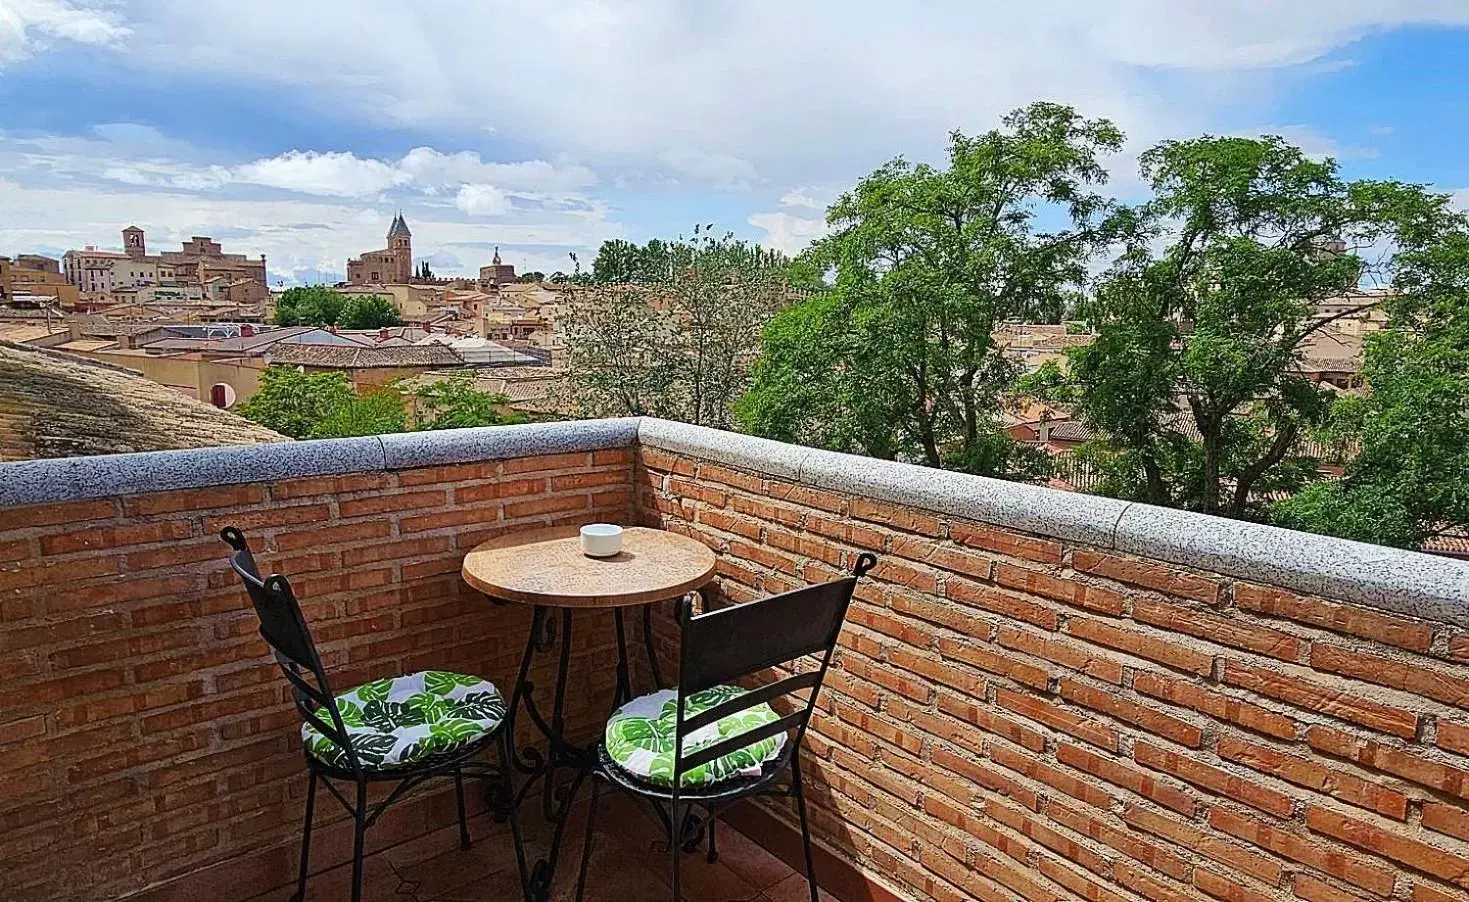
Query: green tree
{"points": [[896, 357], [1193, 380], [618, 350], [293, 403], [681, 344], [455, 403], [378, 412], [532, 276], [1409, 480], [313, 305], [371, 311], [620, 262]]}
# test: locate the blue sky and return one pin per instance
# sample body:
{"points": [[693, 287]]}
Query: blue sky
{"points": [[546, 126]]}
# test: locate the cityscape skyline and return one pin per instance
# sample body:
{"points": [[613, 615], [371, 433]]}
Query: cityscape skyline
{"points": [[150, 114]]}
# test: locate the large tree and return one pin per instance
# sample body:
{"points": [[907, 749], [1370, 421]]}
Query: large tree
{"points": [[320, 405], [370, 311], [680, 341], [1409, 480], [324, 405], [1194, 380], [896, 357], [309, 305]]}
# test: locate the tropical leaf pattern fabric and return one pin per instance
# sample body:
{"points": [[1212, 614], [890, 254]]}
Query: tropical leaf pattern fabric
{"points": [[639, 737], [400, 721]]}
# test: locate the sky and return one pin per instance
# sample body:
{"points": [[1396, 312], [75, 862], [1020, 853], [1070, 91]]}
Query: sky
{"points": [[544, 127]]}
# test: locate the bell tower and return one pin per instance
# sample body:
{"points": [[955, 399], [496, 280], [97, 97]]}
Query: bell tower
{"points": [[133, 243], [400, 245]]}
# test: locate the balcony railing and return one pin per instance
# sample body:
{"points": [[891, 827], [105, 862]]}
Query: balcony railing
{"points": [[1039, 695]]}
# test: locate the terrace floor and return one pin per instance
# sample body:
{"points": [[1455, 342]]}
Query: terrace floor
{"points": [[629, 864]]}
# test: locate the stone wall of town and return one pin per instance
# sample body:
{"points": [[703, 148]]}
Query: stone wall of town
{"points": [[1013, 716], [146, 737]]}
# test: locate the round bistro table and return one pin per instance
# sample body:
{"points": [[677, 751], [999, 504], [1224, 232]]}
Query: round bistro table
{"points": [[547, 570]]}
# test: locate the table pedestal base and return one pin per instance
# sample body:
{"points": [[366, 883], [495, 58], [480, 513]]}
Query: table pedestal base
{"points": [[564, 766]]}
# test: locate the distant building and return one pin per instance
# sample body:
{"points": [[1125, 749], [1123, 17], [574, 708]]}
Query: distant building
{"points": [[33, 276], [196, 261], [391, 265], [497, 273]]}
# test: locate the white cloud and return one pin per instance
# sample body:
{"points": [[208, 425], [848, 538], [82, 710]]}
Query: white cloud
{"points": [[1315, 144], [793, 92], [788, 233], [331, 174], [431, 167], [706, 168], [482, 200], [802, 197], [29, 26]]}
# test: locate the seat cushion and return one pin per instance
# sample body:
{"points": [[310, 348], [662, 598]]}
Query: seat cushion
{"points": [[402, 721], [639, 737]]}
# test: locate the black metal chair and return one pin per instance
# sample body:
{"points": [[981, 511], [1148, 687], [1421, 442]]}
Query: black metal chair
{"points": [[719, 648], [365, 743]]}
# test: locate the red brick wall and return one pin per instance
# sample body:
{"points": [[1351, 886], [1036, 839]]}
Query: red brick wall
{"points": [[1015, 717], [144, 733]]}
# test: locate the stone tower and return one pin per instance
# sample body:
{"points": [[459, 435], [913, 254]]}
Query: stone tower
{"points": [[133, 243], [400, 245]]}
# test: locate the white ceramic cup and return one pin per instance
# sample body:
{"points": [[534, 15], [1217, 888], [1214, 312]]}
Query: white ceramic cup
{"points": [[601, 539]]}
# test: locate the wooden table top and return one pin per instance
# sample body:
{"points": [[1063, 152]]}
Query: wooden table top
{"points": [[547, 567]]}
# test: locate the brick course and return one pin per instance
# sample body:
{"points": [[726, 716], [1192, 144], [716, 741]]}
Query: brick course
{"points": [[1019, 717], [145, 735], [1010, 716]]}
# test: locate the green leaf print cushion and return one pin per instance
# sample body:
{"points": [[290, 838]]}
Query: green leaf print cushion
{"points": [[640, 737], [400, 721]]}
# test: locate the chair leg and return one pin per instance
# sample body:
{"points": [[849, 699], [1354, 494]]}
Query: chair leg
{"points": [[713, 852], [675, 848], [306, 838], [805, 837], [463, 819], [586, 847], [507, 792], [359, 833]]}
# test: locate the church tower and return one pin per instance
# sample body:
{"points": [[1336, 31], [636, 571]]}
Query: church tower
{"points": [[133, 243], [400, 245]]}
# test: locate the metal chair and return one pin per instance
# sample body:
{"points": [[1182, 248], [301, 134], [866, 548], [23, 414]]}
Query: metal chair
{"points": [[718, 648], [347, 741]]}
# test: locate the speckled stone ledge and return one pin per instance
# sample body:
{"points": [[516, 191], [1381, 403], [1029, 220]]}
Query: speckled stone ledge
{"points": [[457, 446], [78, 478], [1404, 582]]}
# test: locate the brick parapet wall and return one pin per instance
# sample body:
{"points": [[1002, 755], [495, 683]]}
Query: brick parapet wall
{"points": [[1038, 695], [144, 733], [1017, 715]]}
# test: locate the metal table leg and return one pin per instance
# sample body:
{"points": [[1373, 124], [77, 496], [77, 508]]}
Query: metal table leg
{"points": [[557, 795]]}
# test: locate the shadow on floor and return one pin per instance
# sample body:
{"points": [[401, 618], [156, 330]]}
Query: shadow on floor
{"points": [[629, 863]]}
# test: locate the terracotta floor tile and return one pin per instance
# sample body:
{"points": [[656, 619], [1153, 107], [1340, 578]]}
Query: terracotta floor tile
{"points": [[749, 859], [795, 889]]}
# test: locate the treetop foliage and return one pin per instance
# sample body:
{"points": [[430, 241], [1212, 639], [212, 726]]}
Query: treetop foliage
{"points": [[324, 405], [317, 305]]}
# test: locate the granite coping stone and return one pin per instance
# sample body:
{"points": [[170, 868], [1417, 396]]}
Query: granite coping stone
{"points": [[457, 446], [1404, 582], [1391, 579], [54, 480]]}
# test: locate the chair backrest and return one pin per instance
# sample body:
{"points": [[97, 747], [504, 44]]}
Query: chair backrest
{"points": [[284, 629], [738, 641]]}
